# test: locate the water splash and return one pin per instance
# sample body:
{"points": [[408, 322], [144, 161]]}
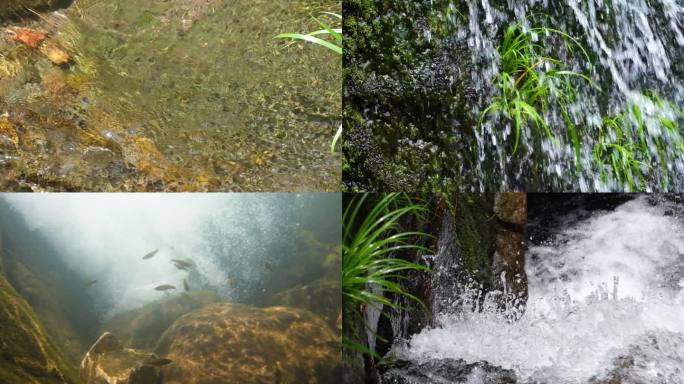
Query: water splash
{"points": [[607, 288]]}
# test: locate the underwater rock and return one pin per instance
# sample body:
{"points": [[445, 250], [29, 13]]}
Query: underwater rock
{"points": [[447, 371], [235, 343], [321, 297], [142, 327], [108, 362], [10, 9], [27, 355]]}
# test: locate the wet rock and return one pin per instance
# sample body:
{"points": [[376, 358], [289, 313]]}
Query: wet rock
{"points": [[27, 354], [141, 328], [234, 343], [108, 362], [508, 265], [321, 297], [447, 371], [511, 207]]}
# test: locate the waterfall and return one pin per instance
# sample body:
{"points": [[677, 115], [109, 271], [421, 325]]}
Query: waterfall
{"points": [[635, 48], [606, 295]]}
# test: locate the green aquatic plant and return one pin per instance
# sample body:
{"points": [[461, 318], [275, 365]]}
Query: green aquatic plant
{"points": [[372, 235], [623, 147], [530, 82], [316, 37]]}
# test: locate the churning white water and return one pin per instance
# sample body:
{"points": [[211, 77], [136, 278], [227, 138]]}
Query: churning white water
{"points": [[606, 288]]}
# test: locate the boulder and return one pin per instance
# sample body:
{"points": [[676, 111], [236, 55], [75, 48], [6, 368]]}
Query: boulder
{"points": [[108, 362], [447, 371], [235, 343], [141, 328], [321, 297], [27, 354]]}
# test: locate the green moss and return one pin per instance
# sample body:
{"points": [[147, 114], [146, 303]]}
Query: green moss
{"points": [[474, 220]]}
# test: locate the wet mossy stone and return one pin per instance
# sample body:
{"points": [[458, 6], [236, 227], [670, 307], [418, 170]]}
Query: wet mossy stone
{"points": [[407, 92], [27, 354], [447, 371], [235, 343]]}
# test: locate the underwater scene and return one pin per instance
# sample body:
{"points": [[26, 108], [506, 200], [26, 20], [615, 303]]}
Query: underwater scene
{"points": [[170, 288], [513, 288], [157, 95]]}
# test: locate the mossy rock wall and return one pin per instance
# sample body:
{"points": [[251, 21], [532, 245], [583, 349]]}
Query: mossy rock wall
{"points": [[27, 354]]}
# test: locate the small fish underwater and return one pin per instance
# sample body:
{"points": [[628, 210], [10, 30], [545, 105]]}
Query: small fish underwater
{"points": [[139, 298]]}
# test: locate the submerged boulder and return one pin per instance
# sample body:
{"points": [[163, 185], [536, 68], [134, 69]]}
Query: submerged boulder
{"points": [[108, 362], [321, 297], [27, 354], [235, 343], [17, 8], [448, 371], [142, 327]]}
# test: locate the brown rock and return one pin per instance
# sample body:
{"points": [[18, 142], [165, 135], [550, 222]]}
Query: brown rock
{"points": [[511, 207], [321, 297], [109, 362], [234, 343]]}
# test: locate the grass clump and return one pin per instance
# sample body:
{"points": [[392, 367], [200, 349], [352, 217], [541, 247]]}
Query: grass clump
{"points": [[318, 37], [531, 82], [627, 150], [372, 234]]}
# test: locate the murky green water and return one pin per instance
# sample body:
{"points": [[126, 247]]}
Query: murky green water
{"points": [[179, 95]]}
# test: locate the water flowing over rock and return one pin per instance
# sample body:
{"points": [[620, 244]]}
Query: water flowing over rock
{"points": [[108, 362], [410, 124], [234, 343], [17, 8], [448, 371]]}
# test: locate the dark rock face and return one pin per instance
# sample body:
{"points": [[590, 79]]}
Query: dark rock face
{"points": [[508, 266], [27, 354], [234, 343], [448, 371], [405, 95]]}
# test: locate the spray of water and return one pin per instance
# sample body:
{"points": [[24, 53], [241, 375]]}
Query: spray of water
{"points": [[606, 288]]}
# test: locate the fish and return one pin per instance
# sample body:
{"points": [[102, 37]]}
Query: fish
{"points": [[268, 266], [182, 264], [90, 283], [150, 255], [165, 287], [186, 286], [182, 267], [157, 361]]}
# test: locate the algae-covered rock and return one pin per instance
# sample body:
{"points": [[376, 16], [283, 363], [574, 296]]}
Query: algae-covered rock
{"points": [[142, 327], [17, 8], [235, 343], [321, 297], [27, 354], [108, 362]]}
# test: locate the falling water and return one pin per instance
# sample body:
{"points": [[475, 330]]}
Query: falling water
{"points": [[635, 47], [604, 290]]}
